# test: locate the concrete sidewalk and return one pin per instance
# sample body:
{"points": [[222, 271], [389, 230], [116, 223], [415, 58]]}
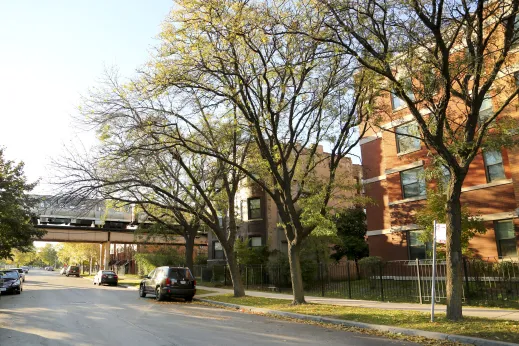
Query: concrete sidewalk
{"points": [[493, 313]]}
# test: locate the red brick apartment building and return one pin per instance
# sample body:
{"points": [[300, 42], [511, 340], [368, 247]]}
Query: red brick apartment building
{"points": [[392, 166]]}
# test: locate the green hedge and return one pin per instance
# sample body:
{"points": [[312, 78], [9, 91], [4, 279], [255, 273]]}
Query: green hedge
{"points": [[146, 262]]}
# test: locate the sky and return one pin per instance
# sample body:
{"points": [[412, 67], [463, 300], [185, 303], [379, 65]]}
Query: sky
{"points": [[51, 53]]}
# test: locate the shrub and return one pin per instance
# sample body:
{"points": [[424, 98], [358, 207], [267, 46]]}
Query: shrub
{"points": [[200, 260], [146, 262], [247, 255]]}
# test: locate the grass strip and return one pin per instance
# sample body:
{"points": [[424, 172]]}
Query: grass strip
{"points": [[500, 330], [199, 292]]}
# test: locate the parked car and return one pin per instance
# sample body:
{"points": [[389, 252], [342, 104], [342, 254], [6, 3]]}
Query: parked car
{"points": [[12, 282], [25, 269], [63, 271], [51, 269], [106, 277], [21, 272], [72, 270], [169, 282]]}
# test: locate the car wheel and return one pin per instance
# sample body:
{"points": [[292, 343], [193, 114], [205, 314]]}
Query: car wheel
{"points": [[158, 296], [142, 293], [66, 275], [78, 275], [188, 299]]}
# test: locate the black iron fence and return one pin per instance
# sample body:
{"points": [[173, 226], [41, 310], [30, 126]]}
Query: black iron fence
{"points": [[485, 282]]}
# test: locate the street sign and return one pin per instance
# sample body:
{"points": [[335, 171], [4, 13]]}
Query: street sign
{"points": [[441, 233]]}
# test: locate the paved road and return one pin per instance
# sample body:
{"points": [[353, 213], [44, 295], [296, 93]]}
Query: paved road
{"points": [[56, 310]]}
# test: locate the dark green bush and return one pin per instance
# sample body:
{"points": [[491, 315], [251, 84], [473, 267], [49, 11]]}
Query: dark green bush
{"points": [[146, 262]]}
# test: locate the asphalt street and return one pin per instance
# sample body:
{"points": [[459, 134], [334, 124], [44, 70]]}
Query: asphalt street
{"points": [[56, 310]]}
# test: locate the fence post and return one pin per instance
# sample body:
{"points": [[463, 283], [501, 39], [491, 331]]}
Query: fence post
{"points": [[261, 274], [381, 282], [419, 280], [467, 287], [322, 278], [225, 274], [349, 280]]}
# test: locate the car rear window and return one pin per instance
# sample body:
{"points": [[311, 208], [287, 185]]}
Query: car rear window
{"points": [[180, 273], [108, 272], [74, 268]]}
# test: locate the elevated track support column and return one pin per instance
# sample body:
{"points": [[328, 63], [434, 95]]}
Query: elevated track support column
{"points": [[107, 254]]}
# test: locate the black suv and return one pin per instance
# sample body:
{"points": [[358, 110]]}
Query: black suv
{"points": [[169, 282], [72, 270]]}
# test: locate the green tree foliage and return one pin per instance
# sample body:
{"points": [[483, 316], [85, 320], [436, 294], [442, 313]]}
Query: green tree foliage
{"points": [[436, 209], [146, 262], [249, 255], [77, 253], [24, 258], [351, 232], [48, 254], [16, 229]]}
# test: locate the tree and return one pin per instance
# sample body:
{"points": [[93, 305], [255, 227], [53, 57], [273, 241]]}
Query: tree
{"points": [[77, 253], [23, 258], [351, 231], [435, 210], [16, 229], [444, 59], [288, 94], [139, 162], [48, 254]]}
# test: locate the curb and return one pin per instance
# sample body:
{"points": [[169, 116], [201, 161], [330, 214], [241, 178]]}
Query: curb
{"points": [[389, 329]]}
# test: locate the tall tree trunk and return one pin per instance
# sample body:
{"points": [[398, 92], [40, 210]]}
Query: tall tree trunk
{"points": [[190, 245], [454, 280], [90, 267], [296, 275], [234, 270]]}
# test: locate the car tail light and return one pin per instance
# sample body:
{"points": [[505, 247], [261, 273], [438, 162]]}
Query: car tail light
{"points": [[168, 281], [115, 276], [194, 282], [104, 276]]}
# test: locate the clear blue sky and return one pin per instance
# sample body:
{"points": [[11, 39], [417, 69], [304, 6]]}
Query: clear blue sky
{"points": [[51, 52]]}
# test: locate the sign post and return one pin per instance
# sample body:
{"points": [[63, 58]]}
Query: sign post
{"points": [[440, 235]]}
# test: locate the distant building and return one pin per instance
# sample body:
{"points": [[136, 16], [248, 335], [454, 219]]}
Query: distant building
{"points": [[258, 214]]}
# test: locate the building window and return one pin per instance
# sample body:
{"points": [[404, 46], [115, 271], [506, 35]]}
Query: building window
{"points": [[505, 238], [446, 176], [417, 248], [413, 182], [396, 101], [284, 247], [218, 250], [405, 143], [254, 205], [516, 30], [255, 241], [486, 110], [494, 165]]}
